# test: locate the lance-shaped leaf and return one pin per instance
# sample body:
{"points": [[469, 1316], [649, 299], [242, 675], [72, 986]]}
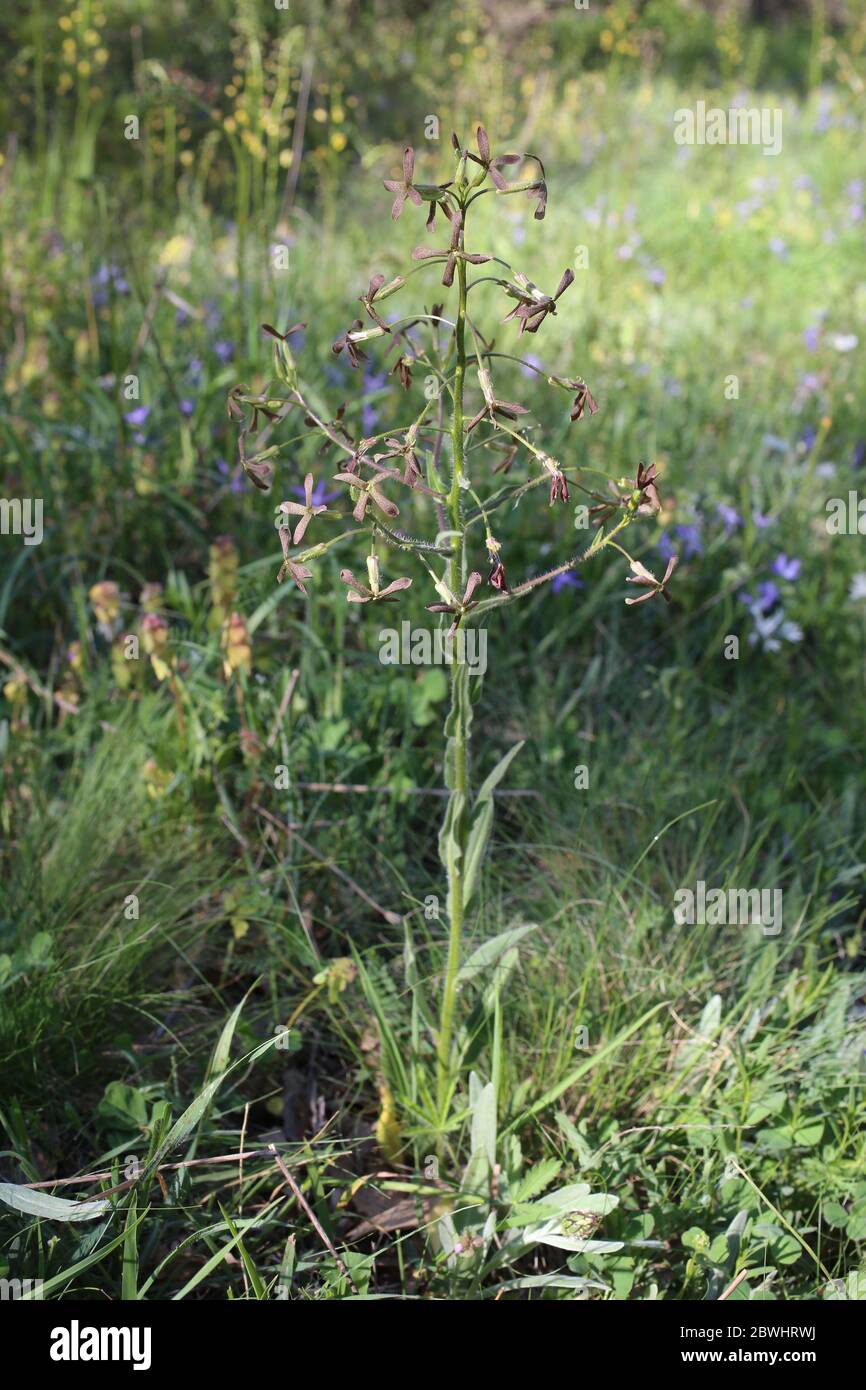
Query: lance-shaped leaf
{"points": [[492, 951], [47, 1208], [482, 822]]}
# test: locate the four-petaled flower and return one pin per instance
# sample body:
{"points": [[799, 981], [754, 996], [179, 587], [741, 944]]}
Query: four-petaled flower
{"points": [[492, 406], [490, 165], [370, 491], [641, 575], [533, 309], [306, 510], [459, 607], [361, 593], [412, 467], [404, 188]]}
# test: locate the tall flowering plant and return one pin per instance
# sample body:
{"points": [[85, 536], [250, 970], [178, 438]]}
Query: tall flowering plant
{"points": [[428, 459]]}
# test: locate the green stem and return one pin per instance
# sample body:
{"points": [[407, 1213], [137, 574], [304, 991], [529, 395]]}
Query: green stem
{"points": [[454, 497], [461, 770]]}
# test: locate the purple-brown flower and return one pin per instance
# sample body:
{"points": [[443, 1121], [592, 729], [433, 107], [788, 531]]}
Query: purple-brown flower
{"points": [[490, 164], [370, 491], [375, 288], [453, 252], [492, 405], [642, 497], [298, 572], [372, 593], [353, 352], [459, 607], [584, 402], [532, 310], [306, 510], [496, 577], [411, 463], [641, 575], [282, 337], [404, 188], [558, 487]]}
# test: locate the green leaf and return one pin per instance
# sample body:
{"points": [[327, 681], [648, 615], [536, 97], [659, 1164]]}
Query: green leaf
{"points": [[482, 821], [193, 1113], [695, 1239], [490, 951], [219, 1061], [551, 1234], [48, 1208], [857, 1221], [252, 1273], [129, 1271], [572, 1135], [544, 1281], [124, 1103], [834, 1214], [536, 1180], [484, 1123]]}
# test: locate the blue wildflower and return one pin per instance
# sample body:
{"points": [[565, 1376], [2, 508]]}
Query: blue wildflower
{"points": [[729, 517], [569, 580], [787, 568], [691, 539]]}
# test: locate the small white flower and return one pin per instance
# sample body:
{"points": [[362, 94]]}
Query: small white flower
{"points": [[844, 342], [772, 629], [858, 587]]}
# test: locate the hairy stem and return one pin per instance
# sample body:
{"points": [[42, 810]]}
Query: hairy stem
{"points": [[461, 771]]}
